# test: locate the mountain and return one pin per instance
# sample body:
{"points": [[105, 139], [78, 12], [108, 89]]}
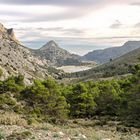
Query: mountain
{"points": [[119, 66], [106, 55], [125, 60], [56, 56], [15, 58]]}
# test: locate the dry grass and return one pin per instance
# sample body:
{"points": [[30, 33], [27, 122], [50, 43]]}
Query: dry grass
{"points": [[10, 118]]}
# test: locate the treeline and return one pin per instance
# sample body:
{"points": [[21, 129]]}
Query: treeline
{"points": [[48, 100], [102, 71]]}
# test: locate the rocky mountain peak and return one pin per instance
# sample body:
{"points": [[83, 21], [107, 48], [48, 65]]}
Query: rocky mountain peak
{"points": [[56, 55], [11, 32], [51, 45], [7, 34]]}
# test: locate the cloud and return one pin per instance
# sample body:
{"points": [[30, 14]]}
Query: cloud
{"points": [[117, 24], [65, 2], [56, 17], [135, 4], [117, 37], [137, 25], [42, 13], [51, 2], [73, 9], [43, 33]]}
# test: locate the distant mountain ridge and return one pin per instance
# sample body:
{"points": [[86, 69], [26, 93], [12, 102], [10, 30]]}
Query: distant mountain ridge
{"points": [[56, 56], [104, 56], [119, 66]]}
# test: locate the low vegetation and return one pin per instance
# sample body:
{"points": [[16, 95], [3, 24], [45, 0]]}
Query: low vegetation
{"points": [[86, 110], [52, 102]]}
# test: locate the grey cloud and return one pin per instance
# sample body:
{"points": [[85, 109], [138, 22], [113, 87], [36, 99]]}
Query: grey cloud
{"points": [[137, 25], [63, 30], [38, 36], [74, 31], [53, 17], [135, 4], [51, 2], [21, 29], [117, 37], [50, 29], [117, 24], [11, 13], [69, 13], [65, 2], [75, 9], [42, 32]]}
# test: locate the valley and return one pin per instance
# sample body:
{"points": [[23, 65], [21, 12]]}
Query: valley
{"points": [[49, 93]]}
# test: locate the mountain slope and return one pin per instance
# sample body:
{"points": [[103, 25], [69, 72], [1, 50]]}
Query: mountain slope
{"points": [[130, 58], [119, 66], [103, 56], [56, 56], [15, 58]]}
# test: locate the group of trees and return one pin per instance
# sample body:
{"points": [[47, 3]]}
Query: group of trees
{"points": [[49, 99], [45, 99]]}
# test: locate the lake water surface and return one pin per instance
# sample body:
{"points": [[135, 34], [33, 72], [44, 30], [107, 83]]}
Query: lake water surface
{"points": [[71, 69]]}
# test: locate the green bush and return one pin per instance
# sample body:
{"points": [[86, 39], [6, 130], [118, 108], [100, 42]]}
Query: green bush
{"points": [[13, 84], [46, 99], [2, 135]]}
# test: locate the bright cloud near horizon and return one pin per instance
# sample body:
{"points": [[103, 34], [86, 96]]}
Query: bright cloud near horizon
{"points": [[79, 26]]}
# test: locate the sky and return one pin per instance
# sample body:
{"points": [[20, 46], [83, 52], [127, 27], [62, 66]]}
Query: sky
{"points": [[78, 26]]}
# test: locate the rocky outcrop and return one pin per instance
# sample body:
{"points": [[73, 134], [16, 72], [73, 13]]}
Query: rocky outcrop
{"points": [[11, 33], [15, 58], [7, 34]]}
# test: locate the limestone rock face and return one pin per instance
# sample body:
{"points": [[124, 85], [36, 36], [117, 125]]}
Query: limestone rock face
{"points": [[11, 33], [33, 64], [15, 58]]}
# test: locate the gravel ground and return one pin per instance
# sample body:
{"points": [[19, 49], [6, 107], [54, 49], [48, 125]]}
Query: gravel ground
{"points": [[50, 132]]}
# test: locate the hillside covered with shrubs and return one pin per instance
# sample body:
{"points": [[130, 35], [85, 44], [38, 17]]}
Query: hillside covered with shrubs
{"points": [[53, 102]]}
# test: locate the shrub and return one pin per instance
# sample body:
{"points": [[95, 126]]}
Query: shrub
{"points": [[10, 118], [2, 135], [46, 100], [20, 136]]}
